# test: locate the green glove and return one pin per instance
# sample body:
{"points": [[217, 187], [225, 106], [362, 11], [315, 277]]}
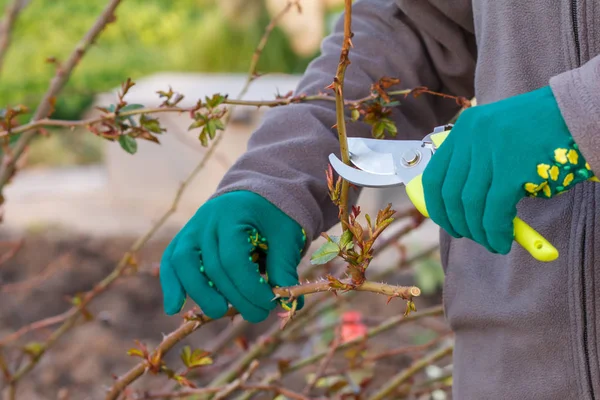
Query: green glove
{"points": [[215, 257], [495, 155]]}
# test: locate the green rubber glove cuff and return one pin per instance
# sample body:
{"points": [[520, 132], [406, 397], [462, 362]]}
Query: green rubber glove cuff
{"points": [[217, 255], [495, 155]]}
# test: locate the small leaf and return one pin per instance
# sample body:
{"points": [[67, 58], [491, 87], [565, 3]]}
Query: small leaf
{"points": [[335, 283], [389, 126], [184, 381], [132, 107], [128, 144], [34, 349], [135, 353], [203, 137], [151, 124], [211, 128], [196, 358], [197, 124], [215, 101], [148, 136], [354, 115], [378, 129], [186, 354], [346, 240], [327, 252], [219, 124]]}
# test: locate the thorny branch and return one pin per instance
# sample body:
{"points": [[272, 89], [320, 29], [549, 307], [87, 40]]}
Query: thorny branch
{"points": [[338, 87], [332, 284], [278, 102], [7, 169]]}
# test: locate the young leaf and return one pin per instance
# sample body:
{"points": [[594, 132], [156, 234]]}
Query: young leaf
{"points": [[219, 124], [197, 124], [128, 144], [195, 358], [34, 349], [346, 240], [211, 128], [378, 129], [132, 107], [215, 101], [135, 353], [327, 252], [151, 124], [203, 137]]}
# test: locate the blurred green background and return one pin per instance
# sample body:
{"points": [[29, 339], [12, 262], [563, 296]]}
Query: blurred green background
{"points": [[149, 36]]}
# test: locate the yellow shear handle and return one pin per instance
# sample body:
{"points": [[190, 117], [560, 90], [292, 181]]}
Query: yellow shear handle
{"points": [[526, 236]]}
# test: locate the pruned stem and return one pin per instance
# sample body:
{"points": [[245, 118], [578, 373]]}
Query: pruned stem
{"points": [[404, 292]]}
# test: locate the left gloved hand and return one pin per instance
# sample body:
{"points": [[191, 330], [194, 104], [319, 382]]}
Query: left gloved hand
{"points": [[495, 155]]}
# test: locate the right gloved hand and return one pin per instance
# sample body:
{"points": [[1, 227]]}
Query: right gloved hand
{"points": [[211, 260]]}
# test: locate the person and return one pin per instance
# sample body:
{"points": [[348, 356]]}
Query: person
{"points": [[524, 329]]}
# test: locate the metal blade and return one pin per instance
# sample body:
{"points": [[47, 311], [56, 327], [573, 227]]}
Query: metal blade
{"points": [[363, 178], [377, 156]]}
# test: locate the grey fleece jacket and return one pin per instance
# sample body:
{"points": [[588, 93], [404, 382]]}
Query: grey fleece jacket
{"points": [[524, 329]]}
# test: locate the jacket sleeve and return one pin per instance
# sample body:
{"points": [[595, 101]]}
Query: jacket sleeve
{"points": [[287, 155], [578, 95]]}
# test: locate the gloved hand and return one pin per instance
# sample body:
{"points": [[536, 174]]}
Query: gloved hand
{"points": [[495, 155], [211, 258]]}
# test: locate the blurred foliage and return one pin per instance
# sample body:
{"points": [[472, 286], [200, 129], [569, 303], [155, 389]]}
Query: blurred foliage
{"points": [[149, 36]]}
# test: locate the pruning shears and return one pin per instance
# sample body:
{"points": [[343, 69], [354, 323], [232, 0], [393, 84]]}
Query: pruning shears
{"points": [[385, 163]]}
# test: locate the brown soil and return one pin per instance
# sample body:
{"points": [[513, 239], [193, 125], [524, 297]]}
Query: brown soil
{"points": [[82, 362]]}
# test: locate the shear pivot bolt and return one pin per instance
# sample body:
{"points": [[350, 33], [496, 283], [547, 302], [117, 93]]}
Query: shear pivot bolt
{"points": [[411, 157]]}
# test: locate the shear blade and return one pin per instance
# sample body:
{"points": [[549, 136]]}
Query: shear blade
{"points": [[359, 177], [368, 160], [377, 156]]}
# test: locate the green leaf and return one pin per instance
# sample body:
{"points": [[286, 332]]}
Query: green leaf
{"points": [[34, 349], [346, 240], [197, 124], [378, 129], [128, 144], [211, 128], [135, 353], [215, 101], [203, 137], [151, 124], [390, 127], [219, 124], [327, 252], [132, 107], [195, 358], [354, 115]]}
